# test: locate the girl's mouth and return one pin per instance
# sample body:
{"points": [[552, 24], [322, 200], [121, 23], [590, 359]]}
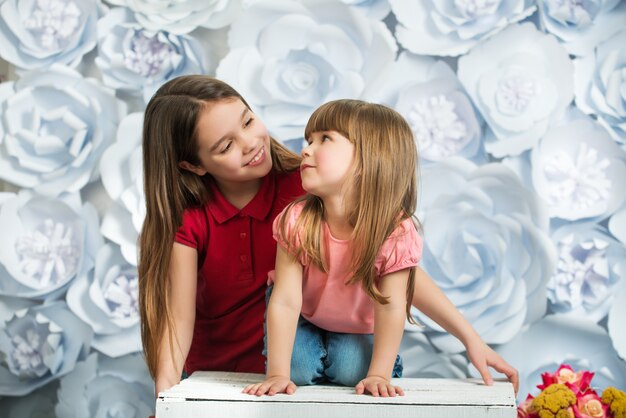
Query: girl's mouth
{"points": [[258, 158]]}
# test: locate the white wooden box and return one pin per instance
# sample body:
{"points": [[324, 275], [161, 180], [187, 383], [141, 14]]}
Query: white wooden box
{"points": [[218, 394]]}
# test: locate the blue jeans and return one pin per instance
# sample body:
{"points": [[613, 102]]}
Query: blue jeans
{"points": [[325, 356]]}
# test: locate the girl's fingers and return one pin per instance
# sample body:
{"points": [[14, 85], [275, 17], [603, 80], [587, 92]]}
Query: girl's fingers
{"points": [[359, 388], [291, 388], [373, 389], [382, 389], [399, 390]]}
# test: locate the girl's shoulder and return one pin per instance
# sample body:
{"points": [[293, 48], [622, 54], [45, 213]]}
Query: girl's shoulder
{"points": [[406, 228]]}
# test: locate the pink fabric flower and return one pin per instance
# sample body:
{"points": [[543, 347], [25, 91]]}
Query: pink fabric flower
{"points": [[578, 382], [523, 409], [590, 406]]}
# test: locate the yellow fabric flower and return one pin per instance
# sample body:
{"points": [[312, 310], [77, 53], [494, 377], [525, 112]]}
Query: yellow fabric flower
{"points": [[554, 402], [616, 400]]}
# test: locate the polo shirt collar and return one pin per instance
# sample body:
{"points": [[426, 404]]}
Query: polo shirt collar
{"points": [[258, 208]]}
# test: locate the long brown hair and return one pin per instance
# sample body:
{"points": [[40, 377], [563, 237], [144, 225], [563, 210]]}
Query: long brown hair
{"points": [[384, 186], [169, 137]]}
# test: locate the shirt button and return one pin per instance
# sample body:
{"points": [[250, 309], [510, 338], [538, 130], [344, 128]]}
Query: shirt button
{"points": [[243, 235], [243, 258]]}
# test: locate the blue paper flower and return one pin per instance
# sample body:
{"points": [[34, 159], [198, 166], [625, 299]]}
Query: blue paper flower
{"points": [[420, 359], [590, 265], [486, 247], [107, 300], [600, 81], [289, 57], [137, 60], [104, 387], [452, 27], [182, 16], [581, 25], [520, 80], [428, 94], [55, 125], [38, 404], [46, 243], [122, 177], [38, 33], [579, 170], [39, 345]]}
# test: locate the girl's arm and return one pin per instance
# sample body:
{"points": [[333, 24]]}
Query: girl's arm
{"points": [[183, 277], [429, 299], [282, 319], [388, 329]]}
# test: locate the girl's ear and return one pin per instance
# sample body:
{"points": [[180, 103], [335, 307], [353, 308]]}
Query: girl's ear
{"points": [[196, 169]]}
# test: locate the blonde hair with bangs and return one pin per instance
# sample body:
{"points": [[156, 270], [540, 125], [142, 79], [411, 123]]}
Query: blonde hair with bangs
{"points": [[384, 185]]}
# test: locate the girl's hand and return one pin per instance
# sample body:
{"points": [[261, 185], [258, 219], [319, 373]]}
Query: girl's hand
{"points": [[378, 386], [271, 386], [483, 357]]}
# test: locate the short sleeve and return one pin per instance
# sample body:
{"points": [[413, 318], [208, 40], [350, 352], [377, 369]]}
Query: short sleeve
{"points": [[403, 249], [291, 214], [193, 231]]}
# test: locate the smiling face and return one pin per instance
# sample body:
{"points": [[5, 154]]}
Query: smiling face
{"points": [[326, 163], [233, 144]]}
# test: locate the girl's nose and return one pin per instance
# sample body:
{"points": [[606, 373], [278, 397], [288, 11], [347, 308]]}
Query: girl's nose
{"points": [[248, 143], [306, 151]]}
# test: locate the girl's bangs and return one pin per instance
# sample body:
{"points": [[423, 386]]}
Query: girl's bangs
{"points": [[332, 116]]}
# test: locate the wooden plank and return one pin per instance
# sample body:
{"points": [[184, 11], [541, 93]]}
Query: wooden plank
{"points": [[218, 394]]}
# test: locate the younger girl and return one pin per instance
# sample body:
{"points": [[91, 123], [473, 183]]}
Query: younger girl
{"points": [[345, 262]]}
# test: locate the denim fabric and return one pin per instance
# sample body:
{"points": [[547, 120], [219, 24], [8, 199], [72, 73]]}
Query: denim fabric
{"points": [[320, 355]]}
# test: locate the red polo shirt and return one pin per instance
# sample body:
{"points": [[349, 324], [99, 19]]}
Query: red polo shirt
{"points": [[235, 252]]}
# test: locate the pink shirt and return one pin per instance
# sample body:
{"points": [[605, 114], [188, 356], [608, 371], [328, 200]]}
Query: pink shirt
{"points": [[330, 303]]}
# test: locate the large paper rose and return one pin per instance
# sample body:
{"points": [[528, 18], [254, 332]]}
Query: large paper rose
{"points": [[122, 177], [449, 27], [590, 265], [615, 324], [579, 170], [182, 16], [39, 345], [45, 244], [617, 223], [55, 125], [136, 60], [289, 57], [104, 387], [39, 33], [486, 247], [600, 80], [429, 96], [520, 80], [107, 299], [580, 25], [555, 339], [38, 404]]}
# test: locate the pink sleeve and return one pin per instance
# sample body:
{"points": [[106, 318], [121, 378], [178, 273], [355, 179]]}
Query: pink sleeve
{"points": [[403, 249], [291, 213]]}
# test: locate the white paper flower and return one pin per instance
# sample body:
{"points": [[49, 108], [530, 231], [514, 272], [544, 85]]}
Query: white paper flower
{"points": [[617, 224], [486, 247], [137, 60], [520, 80], [617, 313], [289, 57], [377, 9], [590, 265], [122, 177], [45, 244], [579, 170], [182, 16], [55, 125], [421, 360], [37, 404], [556, 340], [581, 25], [37, 33], [107, 300], [453, 27], [429, 96], [600, 81], [39, 345], [104, 387]]}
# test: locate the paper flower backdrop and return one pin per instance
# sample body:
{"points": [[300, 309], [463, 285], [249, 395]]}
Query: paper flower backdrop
{"points": [[518, 108]]}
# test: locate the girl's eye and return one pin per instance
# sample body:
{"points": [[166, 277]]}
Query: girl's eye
{"points": [[325, 138], [248, 122], [227, 148]]}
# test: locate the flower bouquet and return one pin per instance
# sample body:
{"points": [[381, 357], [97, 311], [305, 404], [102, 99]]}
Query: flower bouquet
{"points": [[568, 394]]}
